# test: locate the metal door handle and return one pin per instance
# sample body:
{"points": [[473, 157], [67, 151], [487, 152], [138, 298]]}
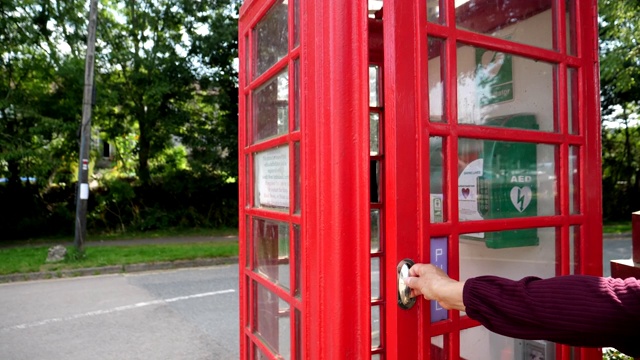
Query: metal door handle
{"points": [[405, 301]]}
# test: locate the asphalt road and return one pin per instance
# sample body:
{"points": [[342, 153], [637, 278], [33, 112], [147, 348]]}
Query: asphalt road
{"points": [[177, 314]]}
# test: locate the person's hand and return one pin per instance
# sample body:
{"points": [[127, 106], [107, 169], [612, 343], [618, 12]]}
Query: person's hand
{"points": [[434, 284]]}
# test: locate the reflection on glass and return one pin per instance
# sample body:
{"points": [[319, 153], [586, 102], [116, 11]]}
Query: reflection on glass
{"points": [[296, 94], [374, 86], [493, 84], [437, 350], [436, 174], [435, 11], [271, 35], [500, 179], [375, 326], [271, 179], [271, 107], [272, 321], [298, 334], [375, 278], [574, 245], [374, 133], [297, 291], [570, 8], [528, 22], [480, 343], [271, 250], [248, 241], [436, 75], [574, 180], [297, 178], [374, 181], [375, 230], [296, 23], [572, 97]]}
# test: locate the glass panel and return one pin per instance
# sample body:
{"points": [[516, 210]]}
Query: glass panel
{"points": [[247, 183], [439, 257], [298, 335], [375, 326], [251, 293], [271, 250], [374, 86], [572, 96], [527, 22], [374, 182], [436, 166], [271, 35], [297, 178], [374, 133], [296, 93], [248, 242], [478, 343], [499, 179], [297, 291], [271, 179], [246, 61], [435, 11], [271, 107], [512, 254], [375, 278], [574, 180], [499, 89], [435, 78], [570, 8], [272, 321], [296, 23], [259, 354], [374, 6], [574, 239], [437, 350], [247, 124], [375, 230]]}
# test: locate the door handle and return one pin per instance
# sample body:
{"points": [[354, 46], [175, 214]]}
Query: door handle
{"points": [[405, 301]]}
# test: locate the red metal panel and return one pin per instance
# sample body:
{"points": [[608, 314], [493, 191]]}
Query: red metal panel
{"points": [[336, 174]]}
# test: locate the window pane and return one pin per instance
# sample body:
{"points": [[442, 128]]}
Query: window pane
{"points": [[297, 291], [375, 326], [436, 165], [273, 324], [271, 107], [296, 22], [436, 77], [574, 180], [499, 179], [271, 250], [374, 86], [296, 92], [374, 181], [271, 179], [574, 257], [374, 133], [572, 96], [500, 89], [298, 335], [570, 8], [438, 351], [272, 38], [375, 230], [528, 22], [435, 11], [375, 277], [297, 179], [478, 343]]}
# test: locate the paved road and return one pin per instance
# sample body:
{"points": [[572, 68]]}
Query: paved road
{"points": [[615, 248], [178, 314]]}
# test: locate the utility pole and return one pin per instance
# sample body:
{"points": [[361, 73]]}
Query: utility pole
{"points": [[82, 195]]}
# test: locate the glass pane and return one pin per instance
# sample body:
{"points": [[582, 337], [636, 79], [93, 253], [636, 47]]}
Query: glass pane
{"points": [[436, 165], [271, 179], [271, 107], [574, 257], [271, 35], [375, 230], [248, 242], [272, 321], [527, 22], [296, 23], [296, 93], [435, 11], [570, 8], [499, 179], [246, 60], [437, 350], [247, 186], [478, 343], [512, 254], [297, 291], [574, 180], [259, 354], [374, 133], [435, 77], [572, 96], [247, 119], [375, 278], [439, 257], [375, 326], [297, 178], [374, 181], [499, 89], [271, 250], [374, 86]]}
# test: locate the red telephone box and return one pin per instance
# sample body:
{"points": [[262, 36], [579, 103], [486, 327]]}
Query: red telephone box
{"points": [[464, 133]]}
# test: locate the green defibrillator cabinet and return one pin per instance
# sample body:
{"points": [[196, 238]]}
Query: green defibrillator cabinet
{"points": [[507, 187]]}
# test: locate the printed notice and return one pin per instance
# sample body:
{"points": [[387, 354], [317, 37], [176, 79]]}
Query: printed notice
{"points": [[272, 177]]}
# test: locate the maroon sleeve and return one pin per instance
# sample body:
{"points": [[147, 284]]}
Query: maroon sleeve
{"points": [[576, 310]]}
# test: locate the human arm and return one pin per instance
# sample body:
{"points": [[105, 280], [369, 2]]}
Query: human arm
{"points": [[434, 284]]}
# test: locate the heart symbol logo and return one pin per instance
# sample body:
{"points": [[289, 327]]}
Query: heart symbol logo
{"points": [[465, 192], [521, 197]]}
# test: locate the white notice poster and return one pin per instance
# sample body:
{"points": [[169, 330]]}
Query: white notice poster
{"points": [[272, 177]]}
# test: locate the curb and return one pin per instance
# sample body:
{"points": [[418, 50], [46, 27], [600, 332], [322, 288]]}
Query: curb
{"points": [[118, 269]]}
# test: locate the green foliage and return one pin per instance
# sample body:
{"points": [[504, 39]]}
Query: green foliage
{"points": [[613, 354]]}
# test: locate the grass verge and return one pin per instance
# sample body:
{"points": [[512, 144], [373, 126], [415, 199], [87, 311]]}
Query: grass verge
{"points": [[616, 227], [32, 259]]}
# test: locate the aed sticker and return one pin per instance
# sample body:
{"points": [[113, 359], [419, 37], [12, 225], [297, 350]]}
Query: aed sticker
{"points": [[521, 197], [468, 194]]}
